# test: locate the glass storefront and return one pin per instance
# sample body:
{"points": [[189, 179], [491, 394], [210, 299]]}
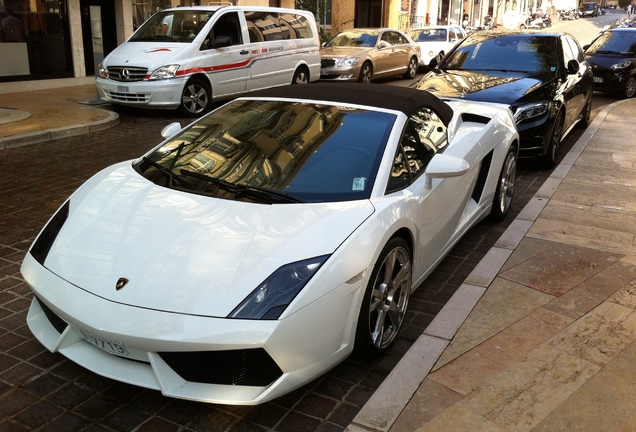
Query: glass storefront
{"points": [[34, 40]]}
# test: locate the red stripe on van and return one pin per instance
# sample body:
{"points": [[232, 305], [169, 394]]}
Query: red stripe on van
{"points": [[210, 68], [214, 68]]}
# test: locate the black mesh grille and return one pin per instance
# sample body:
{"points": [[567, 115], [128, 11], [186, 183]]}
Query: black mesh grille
{"points": [[248, 367], [57, 322], [129, 97], [325, 63]]}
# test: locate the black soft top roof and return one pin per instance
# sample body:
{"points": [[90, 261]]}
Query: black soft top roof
{"points": [[406, 100]]}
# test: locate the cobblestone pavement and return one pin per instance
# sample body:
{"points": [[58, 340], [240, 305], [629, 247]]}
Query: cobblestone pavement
{"points": [[45, 392]]}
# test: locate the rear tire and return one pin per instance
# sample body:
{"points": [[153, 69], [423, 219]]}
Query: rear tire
{"points": [[411, 69], [301, 76], [386, 299]]}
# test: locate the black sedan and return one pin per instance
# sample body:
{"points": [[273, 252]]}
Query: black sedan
{"points": [[612, 56], [543, 77]]}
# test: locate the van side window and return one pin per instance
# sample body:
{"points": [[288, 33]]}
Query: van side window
{"points": [[263, 26], [230, 26], [272, 26]]}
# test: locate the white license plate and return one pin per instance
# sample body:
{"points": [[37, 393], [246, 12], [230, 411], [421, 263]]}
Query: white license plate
{"points": [[598, 79], [123, 89], [107, 345]]}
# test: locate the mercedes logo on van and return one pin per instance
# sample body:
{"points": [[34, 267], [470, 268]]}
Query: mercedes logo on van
{"points": [[124, 74], [121, 283]]}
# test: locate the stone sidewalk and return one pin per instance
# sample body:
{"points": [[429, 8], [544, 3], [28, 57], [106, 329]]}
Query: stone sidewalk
{"points": [[540, 337], [57, 113]]}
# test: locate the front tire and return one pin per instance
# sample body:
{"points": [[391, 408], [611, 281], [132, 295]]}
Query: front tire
{"points": [[630, 87], [196, 98], [586, 115], [411, 69], [550, 159], [505, 186], [366, 73], [385, 299]]}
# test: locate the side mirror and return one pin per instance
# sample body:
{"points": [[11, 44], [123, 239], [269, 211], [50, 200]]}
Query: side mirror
{"points": [[171, 130], [444, 166], [221, 41], [573, 67], [383, 45]]}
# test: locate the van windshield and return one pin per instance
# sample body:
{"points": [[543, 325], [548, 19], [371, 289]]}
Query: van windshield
{"points": [[176, 26]]}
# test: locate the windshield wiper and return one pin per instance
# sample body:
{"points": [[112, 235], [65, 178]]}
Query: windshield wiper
{"points": [[154, 38], [243, 190], [608, 52], [167, 172]]}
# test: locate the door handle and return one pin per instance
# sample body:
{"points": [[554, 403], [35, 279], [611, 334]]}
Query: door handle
{"points": [[244, 52]]}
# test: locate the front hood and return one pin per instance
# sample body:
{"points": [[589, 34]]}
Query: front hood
{"points": [[341, 52], [506, 88], [182, 252], [150, 55], [605, 60]]}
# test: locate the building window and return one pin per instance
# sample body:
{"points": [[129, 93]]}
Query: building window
{"points": [[34, 35]]}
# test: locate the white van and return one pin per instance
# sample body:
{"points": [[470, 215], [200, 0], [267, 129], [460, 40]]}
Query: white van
{"points": [[188, 56]]}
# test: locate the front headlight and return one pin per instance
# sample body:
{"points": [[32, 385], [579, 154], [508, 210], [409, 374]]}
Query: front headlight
{"points": [[102, 71], [347, 62], [526, 112], [271, 297], [165, 72], [621, 65]]}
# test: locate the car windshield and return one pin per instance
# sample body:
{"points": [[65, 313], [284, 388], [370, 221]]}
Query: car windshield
{"points": [[526, 53], [429, 35], [274, 152], [621, 42], [176, 26], [353, 39]]}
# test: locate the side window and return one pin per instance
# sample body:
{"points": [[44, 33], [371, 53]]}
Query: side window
{"points": [[399, 39], [576, 49], [567, 51], [424, 136], [265, 26], [300, 28], [228, 25]]}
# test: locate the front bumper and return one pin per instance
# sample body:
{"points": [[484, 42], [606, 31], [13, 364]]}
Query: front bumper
{"points": [[339, 74], [164, 94], [534, 137], [609, 81], [185, 356]]}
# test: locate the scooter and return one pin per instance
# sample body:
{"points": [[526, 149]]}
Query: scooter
{"points": [[489, 24], [532, 22]]}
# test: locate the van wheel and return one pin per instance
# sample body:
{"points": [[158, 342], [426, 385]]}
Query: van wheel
{"points": [[300, 76], [196, 98]]}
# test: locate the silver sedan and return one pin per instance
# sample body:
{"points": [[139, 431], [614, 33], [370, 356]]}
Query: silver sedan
{"points": [[365, 54]]}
